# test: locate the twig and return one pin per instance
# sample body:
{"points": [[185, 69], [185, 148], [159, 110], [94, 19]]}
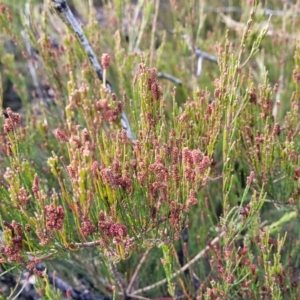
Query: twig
{"points": [[205, 55], [62, 9], [86, 244], [169, 77], [199, 65], [119, 280], [215, 178], [185, 267], [200, 55], [137, 271], [44, 257], [137, 297]]}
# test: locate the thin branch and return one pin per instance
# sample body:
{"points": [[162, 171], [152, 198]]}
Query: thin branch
{"points": [[41, 258], [205, 55], [86, 244], [169, 77], [198, 52], [137, 297], [185, 267], [119, 280], [215, 178], [137, 271], [199, 65], [63, 11], [200, 55]]}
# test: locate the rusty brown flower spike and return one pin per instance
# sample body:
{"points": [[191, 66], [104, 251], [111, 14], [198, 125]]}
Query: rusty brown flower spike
{"points": [[64, 12]]}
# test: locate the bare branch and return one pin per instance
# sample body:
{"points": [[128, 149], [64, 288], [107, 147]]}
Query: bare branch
{"points": [[62, 9], [185, 267], [169, 77], [137, 270], [119, 280]]}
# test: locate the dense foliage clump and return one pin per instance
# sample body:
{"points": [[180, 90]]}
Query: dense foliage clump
{"points": [[149, 149]]}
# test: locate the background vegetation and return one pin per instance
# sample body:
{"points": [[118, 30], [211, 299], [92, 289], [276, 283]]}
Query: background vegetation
{"points": [[203, 201]]}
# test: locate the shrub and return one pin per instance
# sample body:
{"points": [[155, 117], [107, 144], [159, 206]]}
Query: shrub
{"points": [[109, 172]]}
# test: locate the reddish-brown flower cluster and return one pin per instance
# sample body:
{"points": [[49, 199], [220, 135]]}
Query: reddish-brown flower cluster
{"points": [[259, 139], [105, 60], [112, 115], [73, 172], [266, 107], [116, 166], [108, 177], [35, 186], [118, 230], [141, 176], [23, 196], [60, 135], [194, 163], [86, 149], [210, 108], [84, 136], [95, 169], [13, 250], [87, 228], [253, 96], [245, 210], [32, 263], [192, 200], [153, 85], [175, 215], [155, 90], [102, 105], [110, 229], [75, 142], [152, 77], [5, 10], [249, 135], [12, 122], [104, 223], [296, 173], [54, 217], [276, 130], [8, 125], [9, 151], [175, 174], [158, 191], [126, 183], [175, 155], [159, 170], [183, 117], [44, 236], [250, 178], [112, 176]]}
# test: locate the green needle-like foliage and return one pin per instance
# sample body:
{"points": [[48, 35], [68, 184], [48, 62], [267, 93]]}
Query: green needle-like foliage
{"points": [[157, 149]]}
